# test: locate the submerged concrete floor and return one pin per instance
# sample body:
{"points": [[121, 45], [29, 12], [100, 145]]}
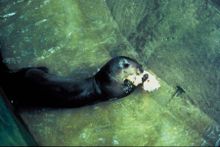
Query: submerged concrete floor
{"points": [[75, 38], [135, 120]]}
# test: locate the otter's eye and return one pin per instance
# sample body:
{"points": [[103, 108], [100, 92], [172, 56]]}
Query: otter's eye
{"points": [[126, 65]]}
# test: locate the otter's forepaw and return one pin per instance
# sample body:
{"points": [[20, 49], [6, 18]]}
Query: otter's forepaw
{"points": [[128, 86]]}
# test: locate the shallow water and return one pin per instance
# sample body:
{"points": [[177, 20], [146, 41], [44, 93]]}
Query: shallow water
{"points": [[136, 120], [75, 38]]}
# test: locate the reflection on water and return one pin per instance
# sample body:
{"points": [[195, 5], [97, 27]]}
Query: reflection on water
{"points": [[75, 38]]}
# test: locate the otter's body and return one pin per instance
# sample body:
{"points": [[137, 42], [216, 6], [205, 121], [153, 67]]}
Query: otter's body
{"points": [[36, 87]]}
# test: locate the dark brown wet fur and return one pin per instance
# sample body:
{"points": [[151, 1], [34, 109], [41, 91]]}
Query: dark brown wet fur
{"points": [[36, 87]]}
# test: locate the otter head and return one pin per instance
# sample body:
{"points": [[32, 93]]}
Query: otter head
{"points": [[112, 77]]}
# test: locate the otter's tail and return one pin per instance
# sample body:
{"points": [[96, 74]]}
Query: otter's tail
{"points": [[3, 67], [4, 70]]}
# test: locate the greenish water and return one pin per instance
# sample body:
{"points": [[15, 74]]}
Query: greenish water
{"points": [[136, 120], [178, 40]]}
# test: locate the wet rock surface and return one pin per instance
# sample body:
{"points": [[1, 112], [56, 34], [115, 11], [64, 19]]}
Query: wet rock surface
{"points": [[179, 41]]}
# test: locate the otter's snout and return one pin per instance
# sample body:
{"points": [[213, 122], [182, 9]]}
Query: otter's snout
{"points": [[140, 69]]}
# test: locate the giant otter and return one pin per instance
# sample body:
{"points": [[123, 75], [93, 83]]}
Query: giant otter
{"points": [[36, 87]]}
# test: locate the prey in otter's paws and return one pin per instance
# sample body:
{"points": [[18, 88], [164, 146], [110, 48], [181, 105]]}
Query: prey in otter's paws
{"points": [[36, 87]]}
